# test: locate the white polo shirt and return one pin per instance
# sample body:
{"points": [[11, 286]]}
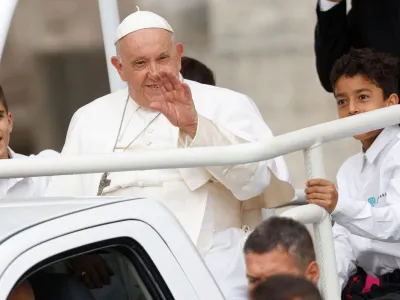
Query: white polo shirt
{"points": [[25, 187]]}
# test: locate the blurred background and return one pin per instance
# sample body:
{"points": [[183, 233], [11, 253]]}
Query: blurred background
{"points": [[54, 63]]}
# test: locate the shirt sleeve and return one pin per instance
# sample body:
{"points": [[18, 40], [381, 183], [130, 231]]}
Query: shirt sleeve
{"points": [[245, 180], [345, 257], [376, 223], [45, 180]]}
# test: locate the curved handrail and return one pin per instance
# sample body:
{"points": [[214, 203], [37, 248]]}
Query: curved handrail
{"points": [[203, 156]]}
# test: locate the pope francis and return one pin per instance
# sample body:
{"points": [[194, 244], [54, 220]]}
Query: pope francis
{"points": [[161, 110]]}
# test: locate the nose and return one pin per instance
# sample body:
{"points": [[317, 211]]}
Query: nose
{"points": [[153, 69], [353, 108]]}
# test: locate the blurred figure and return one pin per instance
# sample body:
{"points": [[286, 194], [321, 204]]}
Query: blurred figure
{"points": [[17, 187], [280, 246], [195, 70], [286, 287], [369, 24]]}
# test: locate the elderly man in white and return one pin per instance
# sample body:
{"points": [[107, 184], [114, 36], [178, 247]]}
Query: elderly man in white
{"points": [[161, 110]]}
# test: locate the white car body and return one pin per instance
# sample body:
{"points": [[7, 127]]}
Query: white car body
{"points": [[38, 232]]}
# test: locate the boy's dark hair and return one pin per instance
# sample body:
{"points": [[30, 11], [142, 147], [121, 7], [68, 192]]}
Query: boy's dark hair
{"points": [[286, 287], [282, 233], [195, 70], [3, 99], [380, 68]]}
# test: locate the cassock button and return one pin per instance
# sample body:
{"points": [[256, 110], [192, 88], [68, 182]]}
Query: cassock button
{"points": [[140, 183], [148, 143]]}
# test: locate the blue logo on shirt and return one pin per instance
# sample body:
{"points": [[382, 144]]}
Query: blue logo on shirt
{"points": [[372, 201]]}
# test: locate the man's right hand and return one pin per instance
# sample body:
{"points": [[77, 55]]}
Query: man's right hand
{"points": [[92, 270]]}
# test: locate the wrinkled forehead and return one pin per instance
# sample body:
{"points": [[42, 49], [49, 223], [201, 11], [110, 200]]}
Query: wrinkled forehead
{"points": [[146, 42]]}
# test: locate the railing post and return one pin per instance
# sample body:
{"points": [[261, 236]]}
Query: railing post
{"points": [[323, 237], [6, 14], [109, 17]]}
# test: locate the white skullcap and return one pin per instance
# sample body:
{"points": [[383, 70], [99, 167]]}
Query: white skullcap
{"points": [[141, 20]]}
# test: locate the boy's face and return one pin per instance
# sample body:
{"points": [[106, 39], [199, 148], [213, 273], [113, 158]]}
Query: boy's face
{"points": [[5, 130], [355, 95]]}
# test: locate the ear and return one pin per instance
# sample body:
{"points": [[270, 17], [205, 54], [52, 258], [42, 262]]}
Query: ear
{"points": [[312, 272], [10, 122], [392, 100], [179, 52], [117, 65]]}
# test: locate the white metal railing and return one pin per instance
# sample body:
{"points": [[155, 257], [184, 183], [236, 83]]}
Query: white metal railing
{"points": [[308, 139]]}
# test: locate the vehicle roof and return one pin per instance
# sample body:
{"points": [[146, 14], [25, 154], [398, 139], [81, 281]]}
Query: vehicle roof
{"points": [[19, 214]]}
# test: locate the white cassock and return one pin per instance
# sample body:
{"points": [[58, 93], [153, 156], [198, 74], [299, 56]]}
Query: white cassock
{"points": [[206, 200]]}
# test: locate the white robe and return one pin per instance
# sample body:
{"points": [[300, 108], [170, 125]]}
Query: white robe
{"points": [[194, 195]]}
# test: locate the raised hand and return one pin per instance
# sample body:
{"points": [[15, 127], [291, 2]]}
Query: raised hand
{"points": [[175, 102]]}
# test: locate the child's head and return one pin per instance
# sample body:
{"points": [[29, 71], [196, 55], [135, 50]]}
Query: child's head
{"points": [[5, 125], [364, 80]]}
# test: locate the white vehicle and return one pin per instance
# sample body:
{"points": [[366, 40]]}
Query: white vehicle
{"points": [[38, 233]]}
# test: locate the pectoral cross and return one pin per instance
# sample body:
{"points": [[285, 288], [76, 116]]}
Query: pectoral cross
{"points": [[104, 182]]}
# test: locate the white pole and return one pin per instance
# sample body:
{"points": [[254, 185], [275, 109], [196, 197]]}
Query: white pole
{"points": [[6, 15], [325, 251], [109, 16]]}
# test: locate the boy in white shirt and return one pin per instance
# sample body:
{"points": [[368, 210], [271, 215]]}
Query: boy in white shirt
{"points": [[17, 187], [366, 205]]}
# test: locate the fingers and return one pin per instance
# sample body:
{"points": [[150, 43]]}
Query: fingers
{"points": [[186, 90], [86, 277], [174, 80], [92, 270], [318, 181], [103, 272], [319, 196], [164, 82], [316, 189]]}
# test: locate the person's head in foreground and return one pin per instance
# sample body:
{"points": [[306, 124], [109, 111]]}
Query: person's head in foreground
{"points": [[195, 70], [285, 287], [147, 55], [362, 81], [280, 246], [6, 124]]}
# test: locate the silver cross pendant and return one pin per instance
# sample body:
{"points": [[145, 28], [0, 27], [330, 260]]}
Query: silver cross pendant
{"points": [[104, 182]]}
